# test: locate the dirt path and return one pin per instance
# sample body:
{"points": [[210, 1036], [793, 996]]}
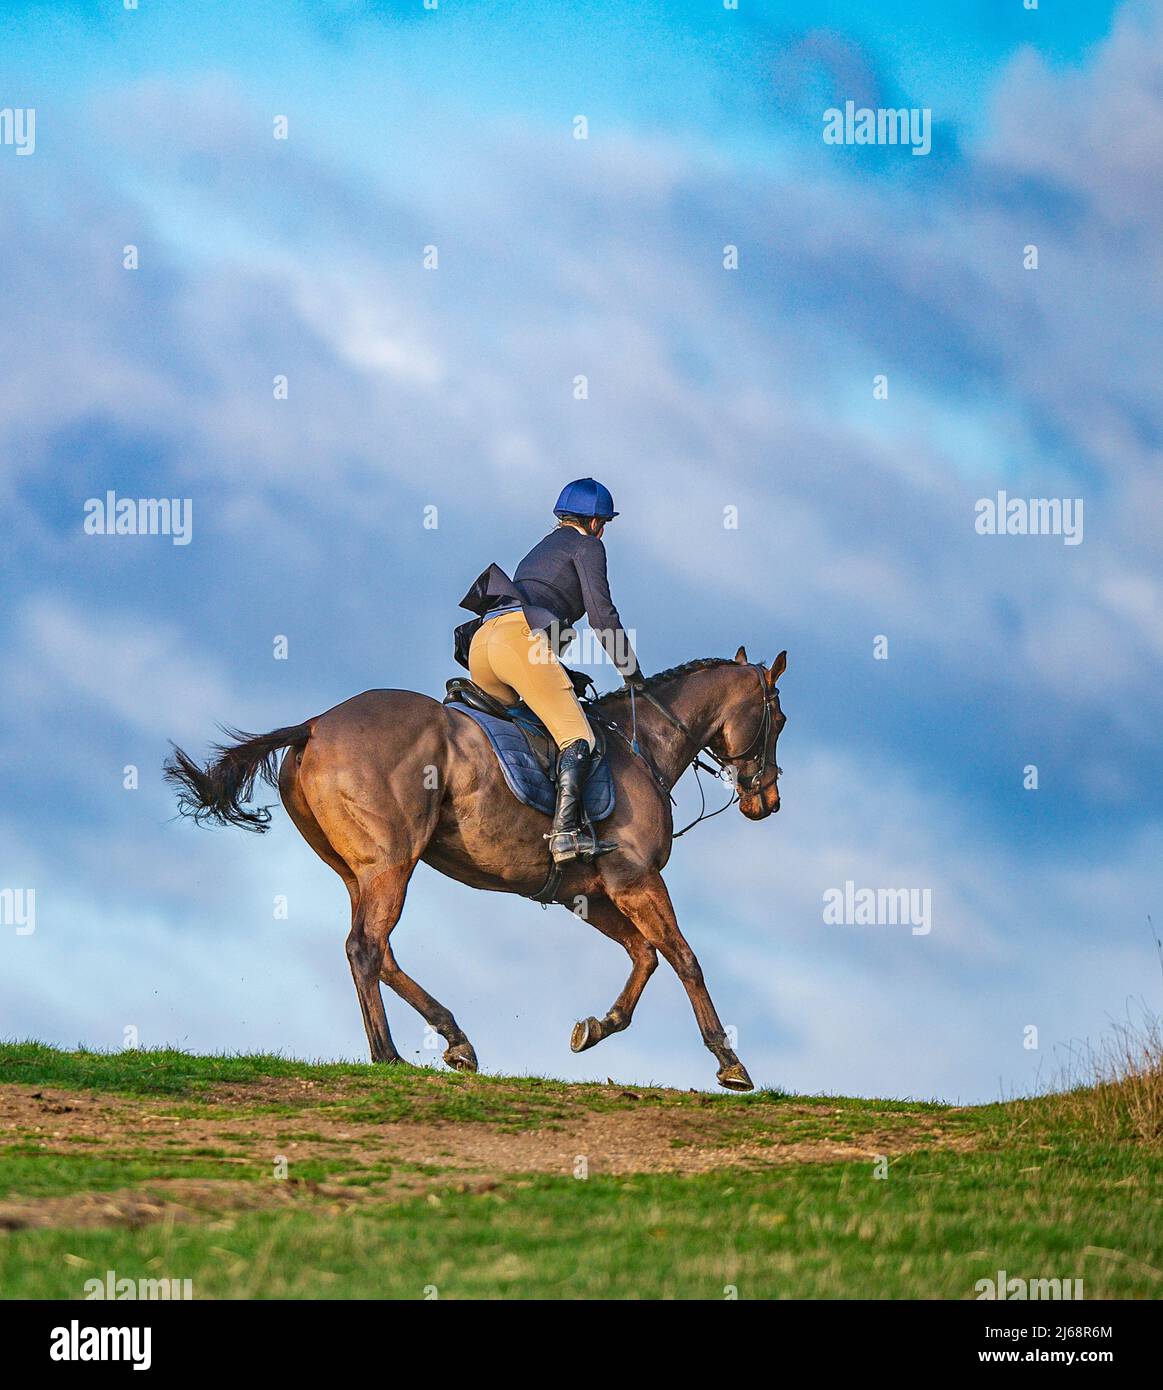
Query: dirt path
{"points": [[249, 1129]]}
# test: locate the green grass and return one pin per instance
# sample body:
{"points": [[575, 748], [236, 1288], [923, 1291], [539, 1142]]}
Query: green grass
{"points": [[155, 1071], [374, 1095], [1029, 1187], [930, 1230]]}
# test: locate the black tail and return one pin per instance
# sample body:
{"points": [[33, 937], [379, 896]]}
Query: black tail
{"points": [[214, 794]]}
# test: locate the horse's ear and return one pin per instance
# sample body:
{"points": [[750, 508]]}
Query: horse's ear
{"points": [[741, 656], [778, 667]]}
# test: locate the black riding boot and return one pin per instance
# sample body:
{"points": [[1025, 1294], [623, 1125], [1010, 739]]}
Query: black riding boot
{"points": [[570, 837]]}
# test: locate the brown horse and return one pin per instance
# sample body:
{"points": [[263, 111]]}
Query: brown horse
{"points": [[391, 777]]}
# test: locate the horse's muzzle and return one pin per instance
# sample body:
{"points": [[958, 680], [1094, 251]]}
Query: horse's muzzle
{"points": [[763, 804]]}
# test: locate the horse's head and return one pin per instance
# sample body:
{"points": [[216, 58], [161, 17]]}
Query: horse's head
{"points": [[750, 732]]}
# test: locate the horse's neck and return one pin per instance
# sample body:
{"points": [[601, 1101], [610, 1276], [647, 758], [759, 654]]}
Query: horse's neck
{"points": [[699, 700]]}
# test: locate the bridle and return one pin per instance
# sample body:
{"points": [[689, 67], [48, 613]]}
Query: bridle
{"points": [[728, 762]]}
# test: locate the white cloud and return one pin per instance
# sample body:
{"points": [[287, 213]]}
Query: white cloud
{"points": [[139, 672]]}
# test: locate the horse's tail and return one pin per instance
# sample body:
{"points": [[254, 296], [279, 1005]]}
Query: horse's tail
{"points": [[215, 794]]}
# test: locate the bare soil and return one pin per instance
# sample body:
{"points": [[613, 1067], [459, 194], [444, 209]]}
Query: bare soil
{"points": [[434, 1154]]}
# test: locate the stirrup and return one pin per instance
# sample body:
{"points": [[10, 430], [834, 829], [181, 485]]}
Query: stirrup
{"points": [[567, 845]]}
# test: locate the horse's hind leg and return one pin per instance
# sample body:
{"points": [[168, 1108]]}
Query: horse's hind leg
{"points": [[375, 909], [617, 926], [378, 903], [459, 1053]]}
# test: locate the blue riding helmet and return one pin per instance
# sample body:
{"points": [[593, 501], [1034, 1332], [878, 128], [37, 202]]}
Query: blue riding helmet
{"points": [[585, 497]]}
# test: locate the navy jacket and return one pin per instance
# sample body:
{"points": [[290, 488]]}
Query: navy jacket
{"points": [[562, 577]]}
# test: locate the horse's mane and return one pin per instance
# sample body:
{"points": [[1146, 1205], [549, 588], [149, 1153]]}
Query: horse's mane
{"points": [[700, 663]]}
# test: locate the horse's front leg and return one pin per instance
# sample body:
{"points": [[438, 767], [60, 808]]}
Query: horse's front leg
{"points": [[602, 913], [647, 904]]}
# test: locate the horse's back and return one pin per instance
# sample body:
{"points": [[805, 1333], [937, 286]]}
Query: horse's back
{"points": [[377, 706]]}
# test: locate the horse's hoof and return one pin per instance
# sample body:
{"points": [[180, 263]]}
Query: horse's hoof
{"points": [[735, 1077], [461, 1057], [586, 1032]]}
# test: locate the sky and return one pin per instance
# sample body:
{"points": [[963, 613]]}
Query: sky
{"points": [[929, 665]]}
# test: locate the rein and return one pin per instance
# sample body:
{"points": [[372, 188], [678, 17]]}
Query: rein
{"points": [[752, 781]]}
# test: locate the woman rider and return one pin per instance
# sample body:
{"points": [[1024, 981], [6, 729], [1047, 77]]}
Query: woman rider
{"points": [[526, 621]]}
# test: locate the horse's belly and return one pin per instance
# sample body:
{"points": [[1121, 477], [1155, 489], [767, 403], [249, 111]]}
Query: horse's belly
{"points": [[488, 863], [486, 837]]}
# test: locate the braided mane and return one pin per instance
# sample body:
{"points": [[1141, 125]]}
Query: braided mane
{"points": [[700, 663]]}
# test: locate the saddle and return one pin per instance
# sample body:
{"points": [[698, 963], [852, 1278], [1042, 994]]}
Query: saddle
{"points": [[537, 736], [527, 755]]}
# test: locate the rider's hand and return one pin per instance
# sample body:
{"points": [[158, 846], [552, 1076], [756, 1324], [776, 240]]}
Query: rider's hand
{"points": [[636, 682]]}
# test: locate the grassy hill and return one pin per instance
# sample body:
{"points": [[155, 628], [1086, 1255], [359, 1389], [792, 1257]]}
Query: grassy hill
{"points": [[264, 1177]]}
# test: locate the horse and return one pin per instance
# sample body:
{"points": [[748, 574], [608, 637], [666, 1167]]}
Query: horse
{"points": [[391, 778]]}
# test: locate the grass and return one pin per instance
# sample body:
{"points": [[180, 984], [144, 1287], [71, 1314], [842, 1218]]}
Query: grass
{"points": [[931, 1230], [365, 1094], [1067, 1186], [1113, 1088]]}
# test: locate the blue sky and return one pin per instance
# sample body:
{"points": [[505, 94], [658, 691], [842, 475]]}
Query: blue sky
{"points": [[708, 388]]}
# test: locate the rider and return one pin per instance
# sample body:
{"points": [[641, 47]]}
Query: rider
{"points": [[525, 623]]}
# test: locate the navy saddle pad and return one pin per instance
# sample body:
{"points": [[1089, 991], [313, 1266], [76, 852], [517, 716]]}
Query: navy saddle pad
{"points": [[523, 772]]}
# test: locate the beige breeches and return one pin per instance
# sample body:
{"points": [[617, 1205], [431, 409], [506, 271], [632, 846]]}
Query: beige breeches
{"points": [[510, 663]]}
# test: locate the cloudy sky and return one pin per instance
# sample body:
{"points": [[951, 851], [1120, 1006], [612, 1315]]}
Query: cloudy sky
{"points": [[709, 388]]}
